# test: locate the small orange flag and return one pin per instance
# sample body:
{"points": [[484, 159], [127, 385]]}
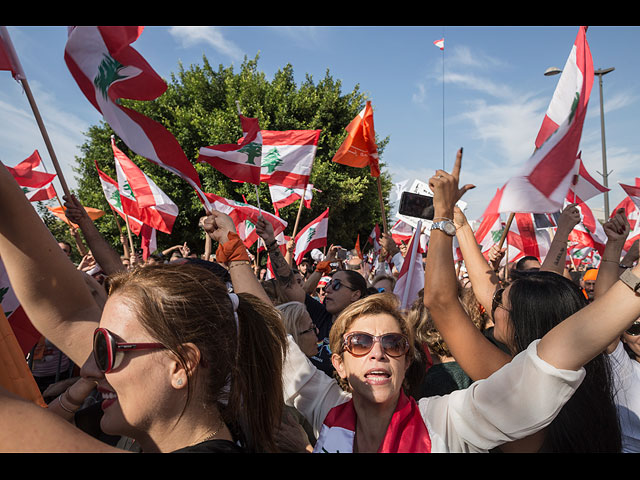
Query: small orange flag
{"points": [[358, 249], [359, 149], [94, 214], [15, 375]]}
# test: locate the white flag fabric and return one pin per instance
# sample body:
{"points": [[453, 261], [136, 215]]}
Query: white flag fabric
{"points": [[313, 235], [282, 196], [287, 157], [411, 278]]}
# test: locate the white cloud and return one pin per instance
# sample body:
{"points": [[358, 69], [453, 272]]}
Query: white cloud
{"points": [[211, 36]]}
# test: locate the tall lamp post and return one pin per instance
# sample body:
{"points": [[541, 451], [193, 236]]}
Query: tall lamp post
{"points": [[605, 174]]}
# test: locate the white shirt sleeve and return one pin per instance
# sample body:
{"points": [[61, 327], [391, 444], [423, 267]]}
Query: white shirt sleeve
{"points": [[518, 400]]}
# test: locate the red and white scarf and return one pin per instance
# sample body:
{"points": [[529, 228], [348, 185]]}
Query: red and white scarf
{"points": [[407, 432]]}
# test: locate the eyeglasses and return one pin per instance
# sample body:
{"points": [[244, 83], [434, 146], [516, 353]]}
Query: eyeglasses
{"points": [[312, 328], [335, 285], [634, 329], [497, 301], [108, 353], [361, 343]]}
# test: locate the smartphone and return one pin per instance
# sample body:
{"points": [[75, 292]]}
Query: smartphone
{"points": [[416, 205], [341, 254]]}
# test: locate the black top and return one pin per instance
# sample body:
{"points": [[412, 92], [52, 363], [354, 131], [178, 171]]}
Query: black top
{"points": [[323, 320], [212, 446]]}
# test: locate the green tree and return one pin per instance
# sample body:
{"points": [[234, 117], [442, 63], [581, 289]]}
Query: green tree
{"points": [[199, 108]]}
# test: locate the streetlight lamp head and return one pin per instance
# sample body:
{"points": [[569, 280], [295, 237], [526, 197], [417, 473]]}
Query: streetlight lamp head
{"points": [[604, 71], [552, 71]]}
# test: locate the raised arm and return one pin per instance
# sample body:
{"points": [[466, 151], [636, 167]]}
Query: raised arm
{"points": [[51, 290], [232, 253], [104, 254], [555, 259], [477, 356], [483, 277]]}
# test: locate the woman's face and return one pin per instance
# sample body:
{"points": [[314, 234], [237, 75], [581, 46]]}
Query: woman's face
{"points": [[502, 330], [337, 300], [375, 377], [134, 390], [307, 335]]}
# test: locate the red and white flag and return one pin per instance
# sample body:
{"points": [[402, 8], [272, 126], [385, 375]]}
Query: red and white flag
{"points": [[36, 183], [527, 238], [148, 241], [287, 157], [112, 194], [107, 68], [584, 186], [239, 212], [439, 43], [543, 183], [401, 232], [8, 58], [633, 191], [588, 233], [283, 196], [359, 149], [374, 239], [247, 233], [631, 205], [313, 235], [411, 278], [239, 161], [161, 211]]}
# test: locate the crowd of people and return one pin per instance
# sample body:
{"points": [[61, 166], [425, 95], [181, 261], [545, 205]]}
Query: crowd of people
{"points": [[213, 353]]}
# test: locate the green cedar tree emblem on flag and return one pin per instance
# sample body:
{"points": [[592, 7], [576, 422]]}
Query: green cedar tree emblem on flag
{"points": [[253, 151], [272, 160], [25, 190], [496, 235], [128, 190], [108, 72], [115, 199], [312, 232]]}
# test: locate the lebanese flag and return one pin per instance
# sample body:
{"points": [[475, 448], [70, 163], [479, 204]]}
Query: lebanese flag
{"points": [[631, 205], [374, 239], [584, 186], [24, 331], [107, 68], [283, 196], [407, 432], [359, 149], [401, 232], [527, 238], [238, 161], [543, 183], [247, 233], [633, 191], [161, 214], [287, 157], [36, 183], [239, 212], [148, 241], [489, 232], [411, 277], [439, 43], [8, 58], [314, 235], [112, 194]]}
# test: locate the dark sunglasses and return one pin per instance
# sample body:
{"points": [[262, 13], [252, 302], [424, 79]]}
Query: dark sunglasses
{"points": [[335, 285], [497, 301], [361, 343], [108, 353], [634, 329]]}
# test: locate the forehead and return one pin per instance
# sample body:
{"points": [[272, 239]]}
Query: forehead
{"points": [[375, 324], [119, 318]]}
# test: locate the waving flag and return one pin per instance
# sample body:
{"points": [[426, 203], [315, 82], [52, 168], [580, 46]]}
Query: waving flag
{"points": [[239, 212], [439, 43], [161, 211], [633, 191], [584, 186], [107, 68], [411, 278], [314, 235], [401, 232], [36, 183], [631, 205], [283, 196], [374, 239], [8, 58], [112, 194], [239, 161], [287, 157], [359, 149], [527, 238], [542, 185]]}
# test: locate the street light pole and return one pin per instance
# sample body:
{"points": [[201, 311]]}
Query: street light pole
{"points": [[605, 173]]}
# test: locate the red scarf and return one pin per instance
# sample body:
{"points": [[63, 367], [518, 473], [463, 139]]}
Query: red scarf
{"points": [[406, 433]]}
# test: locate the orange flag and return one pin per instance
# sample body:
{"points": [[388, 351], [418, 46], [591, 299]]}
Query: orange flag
{"points": [[359, 149], [358, 249], [15, 375], [94, 214]]}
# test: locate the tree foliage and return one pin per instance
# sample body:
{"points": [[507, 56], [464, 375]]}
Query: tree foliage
{"points": [[199, 108]]}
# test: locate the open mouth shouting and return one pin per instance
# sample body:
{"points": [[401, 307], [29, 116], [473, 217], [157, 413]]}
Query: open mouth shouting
{"points": [[109, 397], [377, 376]]}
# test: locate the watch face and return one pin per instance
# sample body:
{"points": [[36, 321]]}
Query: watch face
{"points": [[449, 228]]}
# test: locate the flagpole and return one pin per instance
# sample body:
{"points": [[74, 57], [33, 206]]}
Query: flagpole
{"points": [[506, 230], [295, 226], [384, 215], [133, 251]]}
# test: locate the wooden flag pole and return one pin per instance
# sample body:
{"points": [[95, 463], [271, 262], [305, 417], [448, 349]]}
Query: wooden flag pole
{"points": [[133, 251], [506, 229], [384, 215]]}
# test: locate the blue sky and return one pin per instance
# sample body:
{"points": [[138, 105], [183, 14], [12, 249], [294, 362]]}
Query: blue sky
{"points": [[495, 94]]}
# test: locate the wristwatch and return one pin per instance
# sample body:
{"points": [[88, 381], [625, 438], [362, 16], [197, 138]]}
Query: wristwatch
{"points": [[631, 280], [447, 226]]}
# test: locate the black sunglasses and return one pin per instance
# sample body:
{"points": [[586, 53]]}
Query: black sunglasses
{"points": [[108, 352], [497, 301], [634, 329], [335, 285]]}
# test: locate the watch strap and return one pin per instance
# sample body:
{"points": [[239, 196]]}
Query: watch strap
{"points": [[631, 280]]}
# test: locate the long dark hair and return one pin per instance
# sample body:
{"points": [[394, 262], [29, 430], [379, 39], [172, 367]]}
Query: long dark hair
{"points": [[588, 422]]}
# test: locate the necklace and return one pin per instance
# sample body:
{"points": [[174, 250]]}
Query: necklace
{"points": [[211, 435]]}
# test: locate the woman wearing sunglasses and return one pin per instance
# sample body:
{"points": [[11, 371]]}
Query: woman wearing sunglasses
{"points": [[177, 370]]}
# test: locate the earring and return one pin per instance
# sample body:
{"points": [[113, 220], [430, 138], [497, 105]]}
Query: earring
{"points": [[179, 382]]}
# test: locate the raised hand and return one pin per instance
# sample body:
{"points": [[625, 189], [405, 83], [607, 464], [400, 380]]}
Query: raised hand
{"points": [[617, 227], [446, 190], [218, 225]]}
